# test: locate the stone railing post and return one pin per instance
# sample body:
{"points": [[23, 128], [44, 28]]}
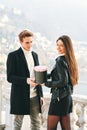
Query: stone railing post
{"points": [[0, 100], [8, 117], [2, 126], [74, 117], [82, 121]]}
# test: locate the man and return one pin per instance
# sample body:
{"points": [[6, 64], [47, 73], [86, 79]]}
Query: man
{"points": [[26, 95]]}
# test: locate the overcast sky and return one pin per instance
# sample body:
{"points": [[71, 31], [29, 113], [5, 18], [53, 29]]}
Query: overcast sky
{"points": [[54, 12], [46, 5]]}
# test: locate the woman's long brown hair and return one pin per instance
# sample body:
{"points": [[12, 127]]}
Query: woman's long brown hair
{"points": [[70, 58]]}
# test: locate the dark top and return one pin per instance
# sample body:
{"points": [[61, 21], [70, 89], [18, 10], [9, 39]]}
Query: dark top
{"points": [[60, 79]]}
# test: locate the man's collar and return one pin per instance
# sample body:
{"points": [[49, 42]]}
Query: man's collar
{"points": [[25, 51]]}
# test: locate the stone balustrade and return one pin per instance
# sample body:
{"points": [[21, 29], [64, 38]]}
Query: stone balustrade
{"points": [[78, 117]]}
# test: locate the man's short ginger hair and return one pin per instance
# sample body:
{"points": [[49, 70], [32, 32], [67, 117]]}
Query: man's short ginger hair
{"points": [[25, 33]]}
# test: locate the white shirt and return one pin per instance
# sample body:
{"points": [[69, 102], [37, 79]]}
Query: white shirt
{"points": [[30, 63]]}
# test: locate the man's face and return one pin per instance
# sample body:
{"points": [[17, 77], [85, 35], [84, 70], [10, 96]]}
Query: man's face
{"points": [[27, 43]]}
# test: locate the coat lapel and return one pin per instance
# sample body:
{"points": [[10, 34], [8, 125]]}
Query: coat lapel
{"points": [[21, 54], [35, 58]]}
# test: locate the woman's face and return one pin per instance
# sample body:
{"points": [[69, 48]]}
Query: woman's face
{"points": [[60, 47]]}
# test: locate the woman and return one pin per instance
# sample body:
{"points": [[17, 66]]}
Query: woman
{"points": [[63, 77]]}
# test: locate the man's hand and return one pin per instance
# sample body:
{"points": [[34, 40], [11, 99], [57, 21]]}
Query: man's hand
{"points": [[31, 82], [42, 101]]}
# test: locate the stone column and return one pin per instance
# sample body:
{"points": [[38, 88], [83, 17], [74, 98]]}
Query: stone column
{"points": [[83, 117], [74, 117], [0, 99]]}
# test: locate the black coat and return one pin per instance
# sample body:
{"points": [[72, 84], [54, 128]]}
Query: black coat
{"points": [[60, 82], [17, 74]]}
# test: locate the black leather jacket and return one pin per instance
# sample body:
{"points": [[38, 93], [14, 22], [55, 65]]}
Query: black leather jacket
{"points": [[60, 82]]}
